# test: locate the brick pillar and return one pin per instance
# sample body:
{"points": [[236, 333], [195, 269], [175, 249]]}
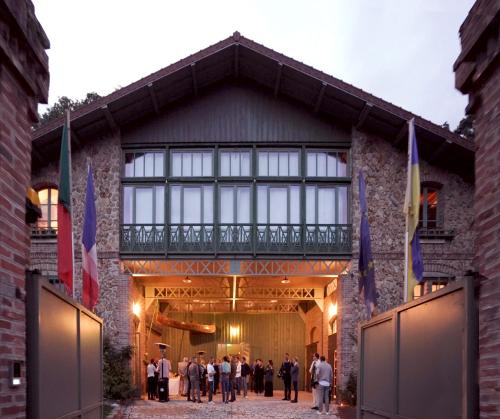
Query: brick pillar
{"points": [[477, 72], [23, 83]]}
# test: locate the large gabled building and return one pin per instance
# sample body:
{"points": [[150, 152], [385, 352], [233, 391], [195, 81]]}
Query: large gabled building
{"points": [[227, 194]]}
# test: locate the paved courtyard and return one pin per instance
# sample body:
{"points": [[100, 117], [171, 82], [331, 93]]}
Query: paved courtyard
{"points": [[253, 407]]}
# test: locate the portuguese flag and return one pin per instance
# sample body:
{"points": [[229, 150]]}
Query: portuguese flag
{"points": [[65, 229]]}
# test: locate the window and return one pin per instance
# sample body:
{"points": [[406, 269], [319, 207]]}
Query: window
{"points": [[326, 205], [144, 205], [47, 224], [234, 205], [429, 207], [278, 205], [278, 163], [235, 163], [144, 164], [428, 285], [192, 163], [326, 163], [191, 204]]}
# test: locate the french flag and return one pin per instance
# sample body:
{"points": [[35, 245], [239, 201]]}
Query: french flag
{"points": [[90, 286]]}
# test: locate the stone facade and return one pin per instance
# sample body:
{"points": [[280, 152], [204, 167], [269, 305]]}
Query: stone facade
{"points": [[477, 72], [24, 82]]}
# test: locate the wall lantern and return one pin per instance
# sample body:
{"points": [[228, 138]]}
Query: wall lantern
{"points": [[234, 332], [332, 310], [136, 309], [15, 374]]}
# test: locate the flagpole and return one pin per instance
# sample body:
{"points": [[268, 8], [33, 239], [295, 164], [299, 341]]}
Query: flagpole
{"points": [[408, 172], [68, 121]]}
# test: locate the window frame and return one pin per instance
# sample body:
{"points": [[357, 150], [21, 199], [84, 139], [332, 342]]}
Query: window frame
{"points": [[298, 150], [348, 171], [191, 178], [136, 185], [270, 185], [47, 231], [183, 185], [423, 217], [125, 151], [221, 150], [234, 186], [336, 187]]}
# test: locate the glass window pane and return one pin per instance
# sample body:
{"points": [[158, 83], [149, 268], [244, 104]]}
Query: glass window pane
{"points": [[127, 204], [331, 164], [245, 164], [283, 164], [273, 164], [225, 164], [278, 206], [321, 169], [263, 163], [43, 221], [192, 205], [129, 164], [159, 164], [54, 195], [226, 205], [176, 164], [208, 204], [326, 209], [175, 205], [160, 204], [43, 196], [342, 198], [243, 205], [262, 204], [139, 165], [149, 164], [432, 204], [293, 164], [235, 164], [186, 164], [294, 205], [311, 164], [53, 213], [144, 205], [342, 164], [310, 205], [207, 164], [197, 168]]}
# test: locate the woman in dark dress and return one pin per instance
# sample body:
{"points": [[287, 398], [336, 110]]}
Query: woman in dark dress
{"points": [[259, 377], [268, 379]]}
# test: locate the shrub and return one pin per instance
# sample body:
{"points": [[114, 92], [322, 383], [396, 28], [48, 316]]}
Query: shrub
{"points": [[117, 375]]}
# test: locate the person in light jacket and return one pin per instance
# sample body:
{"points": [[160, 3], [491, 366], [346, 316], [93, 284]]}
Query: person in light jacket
{"points": [[295, 370], [325, 378]]}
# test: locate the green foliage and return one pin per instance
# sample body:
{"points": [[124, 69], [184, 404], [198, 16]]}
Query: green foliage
{"points": [[63, 103], [349, 395], [117, 375], [466, 128]]}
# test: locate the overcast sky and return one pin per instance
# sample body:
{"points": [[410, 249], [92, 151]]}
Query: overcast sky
{"points": [[400, 50]]}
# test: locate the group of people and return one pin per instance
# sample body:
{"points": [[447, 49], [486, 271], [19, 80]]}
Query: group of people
{"points": [[233, 376]]}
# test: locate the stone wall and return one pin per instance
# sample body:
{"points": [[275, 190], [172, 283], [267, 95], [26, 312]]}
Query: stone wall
{"points": [[477, 72], [384, 168], [24, 82], [105, 156]]}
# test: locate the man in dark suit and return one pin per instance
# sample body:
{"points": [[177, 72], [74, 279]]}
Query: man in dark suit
{"points": [[286, 375]]}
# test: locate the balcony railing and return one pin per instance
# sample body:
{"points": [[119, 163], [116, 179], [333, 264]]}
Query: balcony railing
{"points": [[235, 239], [43, 232]]}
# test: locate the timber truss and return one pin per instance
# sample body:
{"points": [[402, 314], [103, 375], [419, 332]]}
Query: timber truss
{"points": [[247, 307], [254, 267]]}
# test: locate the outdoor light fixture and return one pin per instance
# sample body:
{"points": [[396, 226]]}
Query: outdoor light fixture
{"points": [[196, 301], [332, 310], [136, 309], [274, 301], [186, 280], [285, 280], [15, 374]]}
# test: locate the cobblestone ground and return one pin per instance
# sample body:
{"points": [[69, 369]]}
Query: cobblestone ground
{"points": [[253, 407]]}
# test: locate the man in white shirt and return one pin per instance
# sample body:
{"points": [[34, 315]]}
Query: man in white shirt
{"points": [[314, 387], [238, 376], [210, 374], [164, 372], [151, 369]]}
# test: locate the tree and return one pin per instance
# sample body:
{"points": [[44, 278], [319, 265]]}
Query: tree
{"points": [[63, 103], [466, 128]]}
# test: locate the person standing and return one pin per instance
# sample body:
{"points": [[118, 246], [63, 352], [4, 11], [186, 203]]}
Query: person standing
{"points": [[285, 374], [183, 381], [259, 376], [210, 375], [194, 380], [324, 377], [295, 378], [314, 381], [245, 375], [238, 376], [225, 370], [216, 366], [151, 370], [203, 378], [164, 368], [232, 378], [268, 379]]}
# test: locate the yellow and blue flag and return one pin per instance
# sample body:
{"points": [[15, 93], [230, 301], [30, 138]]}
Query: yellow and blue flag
{"points": [[366, 267], [414, 263]]}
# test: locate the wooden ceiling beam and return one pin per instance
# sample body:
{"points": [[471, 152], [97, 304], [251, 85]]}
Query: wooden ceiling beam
{"points": [[439, 151], [364, 114], [321, 94], [403, 132], [278, 79], [154, 100], [195, 81], [109, 118]]}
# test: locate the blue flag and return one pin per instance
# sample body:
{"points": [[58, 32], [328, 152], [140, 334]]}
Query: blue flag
{"points": [[366, 267]]}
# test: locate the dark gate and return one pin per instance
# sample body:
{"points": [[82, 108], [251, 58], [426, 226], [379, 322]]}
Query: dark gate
{"points": [[64, 355], [419, 360]]}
